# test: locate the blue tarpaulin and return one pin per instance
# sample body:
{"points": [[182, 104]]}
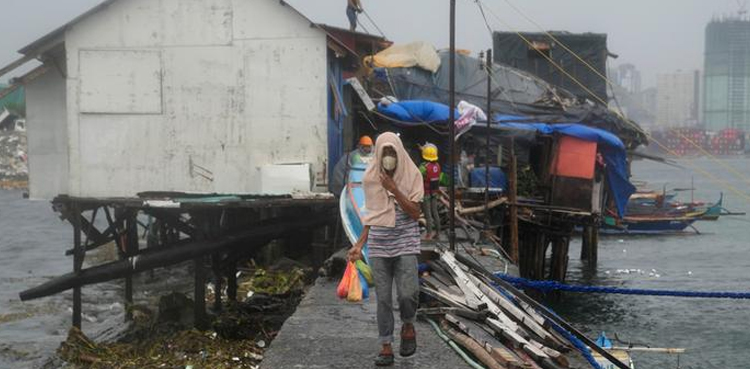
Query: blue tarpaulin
{"points": [[612, 149], [416, 111], [497, 178]]}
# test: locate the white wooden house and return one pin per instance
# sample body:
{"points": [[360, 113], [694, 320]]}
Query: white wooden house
{"points": [[211, 96]]}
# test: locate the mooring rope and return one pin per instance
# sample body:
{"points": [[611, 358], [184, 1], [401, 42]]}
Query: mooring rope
{"points": [[549, 286]]}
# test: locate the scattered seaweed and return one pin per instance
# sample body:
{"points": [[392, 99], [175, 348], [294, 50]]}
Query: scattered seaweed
{"points": [[240, 334]]}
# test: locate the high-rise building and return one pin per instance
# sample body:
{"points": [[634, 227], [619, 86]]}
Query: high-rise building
{"points": [[628, 77], [727, 74], [677, 99]]}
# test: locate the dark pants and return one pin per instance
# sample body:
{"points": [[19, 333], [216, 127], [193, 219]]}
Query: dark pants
{"points": [[431, 216], [351, 13], [403, 271]]}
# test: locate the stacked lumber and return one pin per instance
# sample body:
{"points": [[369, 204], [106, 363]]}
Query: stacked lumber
{"points": [[498, 325]]}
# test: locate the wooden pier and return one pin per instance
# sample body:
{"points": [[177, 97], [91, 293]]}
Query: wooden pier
{"points": [[214, 231]]}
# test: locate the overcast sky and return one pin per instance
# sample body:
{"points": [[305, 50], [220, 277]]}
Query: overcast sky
{"points": [[658, 36]]}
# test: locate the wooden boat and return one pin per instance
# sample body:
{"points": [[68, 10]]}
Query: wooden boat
{"points": [[648, 224], [352, 204], [714, 211], [621, 354]]}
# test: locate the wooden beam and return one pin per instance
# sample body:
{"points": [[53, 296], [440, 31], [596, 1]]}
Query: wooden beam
{"points": [[131, 248], [77, 264], [165, 257], [475, 348], [513, 197]]}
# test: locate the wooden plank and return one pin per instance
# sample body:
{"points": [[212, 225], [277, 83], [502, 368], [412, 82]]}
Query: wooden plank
{"points": [[517, 313], [519, 341], [552, 317], [475, 348], [494, 347], [354, 82], [474, 295]]}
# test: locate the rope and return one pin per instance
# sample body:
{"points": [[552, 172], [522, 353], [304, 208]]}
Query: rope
{"points": [[579, 345], [373, 23], [549, 286], [600, 100], [609, 82]]}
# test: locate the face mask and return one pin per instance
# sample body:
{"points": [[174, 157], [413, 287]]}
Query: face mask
{"points": [[389, 163]]}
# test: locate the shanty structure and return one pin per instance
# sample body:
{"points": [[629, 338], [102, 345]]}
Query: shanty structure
{"points": [[209, 96], [532, 52], [547, 162], [218, 119]]}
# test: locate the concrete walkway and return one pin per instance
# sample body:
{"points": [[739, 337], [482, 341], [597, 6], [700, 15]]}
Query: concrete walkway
{"points": [[326, 332]]}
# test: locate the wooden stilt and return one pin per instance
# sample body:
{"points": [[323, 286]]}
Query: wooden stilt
{"points": [[590, 244], [540, 255], [131, 248], [594, 245], [232, 282], [513, 197], [559, 259], [199, 295], [218, 280], [586, 243], [77, 263]]}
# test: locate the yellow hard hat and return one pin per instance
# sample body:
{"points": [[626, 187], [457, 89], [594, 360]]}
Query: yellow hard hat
{"points": [[430, 152]]}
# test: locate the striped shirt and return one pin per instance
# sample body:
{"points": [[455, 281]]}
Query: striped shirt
{"points": [[403, 239]]}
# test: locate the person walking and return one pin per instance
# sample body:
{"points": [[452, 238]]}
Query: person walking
{"points": [[353, 7], [393, 191]]}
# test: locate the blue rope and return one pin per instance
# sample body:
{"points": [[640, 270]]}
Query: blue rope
{"points": [[578, 345], [548, 286]]}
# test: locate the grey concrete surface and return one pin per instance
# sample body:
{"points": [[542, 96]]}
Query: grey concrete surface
{"points": [[326, 332]]}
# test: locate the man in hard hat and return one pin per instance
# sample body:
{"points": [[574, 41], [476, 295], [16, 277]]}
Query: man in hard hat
{"points": [[431, 174], [353, 7], [361, 155]]}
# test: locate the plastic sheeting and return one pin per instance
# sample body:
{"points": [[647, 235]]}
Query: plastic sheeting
{"points": [[612, 149], [415, 54], [513, 92], [417, 111], [498, 178]]}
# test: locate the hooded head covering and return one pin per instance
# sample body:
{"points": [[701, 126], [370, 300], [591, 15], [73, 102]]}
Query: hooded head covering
{"points": [[381, 207]]}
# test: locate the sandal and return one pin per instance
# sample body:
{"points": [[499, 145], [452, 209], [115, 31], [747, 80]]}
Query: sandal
{"points": [[385, 357], [408, 340]]}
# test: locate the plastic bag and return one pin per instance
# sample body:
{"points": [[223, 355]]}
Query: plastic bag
{"points": [[366, 272], [343, 289], [365, 287], [355, 286]]}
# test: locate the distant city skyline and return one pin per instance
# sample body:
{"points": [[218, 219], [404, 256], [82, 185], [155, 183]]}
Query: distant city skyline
{"points": [[656, 37]]}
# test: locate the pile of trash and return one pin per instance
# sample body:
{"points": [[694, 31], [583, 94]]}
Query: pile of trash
{"points": [[14, 172], [238, 337]]}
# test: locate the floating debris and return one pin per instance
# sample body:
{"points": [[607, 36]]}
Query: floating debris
{"points": [[240, 333]]}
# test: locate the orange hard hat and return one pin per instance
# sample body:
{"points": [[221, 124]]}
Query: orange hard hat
{"points": [[365, 141]]}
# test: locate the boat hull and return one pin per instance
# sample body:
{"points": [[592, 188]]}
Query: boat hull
{"points": [[352, 205]]}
